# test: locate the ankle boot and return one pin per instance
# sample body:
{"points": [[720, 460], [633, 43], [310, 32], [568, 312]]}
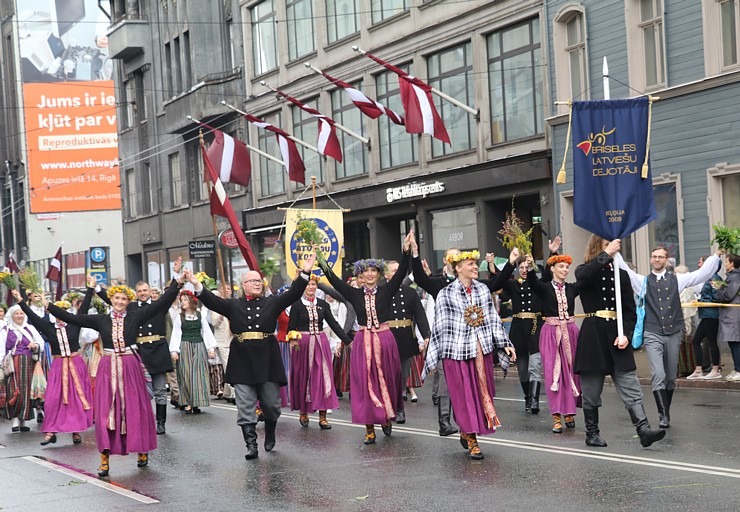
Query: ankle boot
{"points": [[640, 421], [323, 422], [526, 386], [104, 465], [443, 414], [249, 431], [591, 419], [473, 448], [369, 434], [270, 426], [661, 400], [400, 417], [534, 392], [161, 418], [557, 424], [142, 459], [669, 401]]}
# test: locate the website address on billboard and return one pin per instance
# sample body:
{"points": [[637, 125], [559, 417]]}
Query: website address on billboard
{"points": [[82, 164], [102, 140]]}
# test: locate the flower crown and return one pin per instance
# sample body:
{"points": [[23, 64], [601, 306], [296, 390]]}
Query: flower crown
{"points": [[363, 265], [71, 296], [462, 256], [121, 288], [559, 258], [314, 277], [190, 294], [63, 304]]}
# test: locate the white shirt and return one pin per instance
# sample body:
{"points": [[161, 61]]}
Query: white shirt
{"points": [[205, 332], [684, 280]]}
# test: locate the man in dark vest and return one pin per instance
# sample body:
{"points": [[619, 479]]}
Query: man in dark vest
{"points": [[664, 321]]}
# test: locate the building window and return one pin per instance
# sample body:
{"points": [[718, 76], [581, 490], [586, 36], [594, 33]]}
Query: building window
{"points": [[651, 27], [451, 71], [264, 37], [730, 204], [127, 105], [300, 28], [384, 9], [456, 227], [169, 87], [197, 184], [396, 147], [176, 181], [187, 69], [664, 230], [354, 156], [149, 191], [515, 78], [133, 198], [342, 18], [177, 68], [306, 128], [228, 35], [730, 15], [272, 175], [571, 64]]}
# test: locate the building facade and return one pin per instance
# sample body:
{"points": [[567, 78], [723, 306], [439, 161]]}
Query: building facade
{"points": [[686, 53]]}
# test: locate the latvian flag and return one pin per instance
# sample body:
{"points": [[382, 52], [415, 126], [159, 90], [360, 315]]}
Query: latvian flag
{"points": [[328, 142], [230, 157], [416, 97], [288, 150], [369, 107], [54, 274]]}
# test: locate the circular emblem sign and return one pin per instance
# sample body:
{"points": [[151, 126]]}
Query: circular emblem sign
{"points": [[299, 251]]}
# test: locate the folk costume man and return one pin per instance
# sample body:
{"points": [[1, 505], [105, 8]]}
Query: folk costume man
{"points": [[465, 334], [255, 369], [600, 351]]}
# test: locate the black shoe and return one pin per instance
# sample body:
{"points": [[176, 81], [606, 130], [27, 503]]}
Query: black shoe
{"points": [[76, 438], [270, 426], [52, 439], [250, 438], [527, 396], [661, 401], [175, 404], [15, 430], [161, 418], [444, 411], [40, 417], [387, 428], [591, 419], [25, 429], [196, 410], [435, 400], [534, 392], [639, 420], [405, 396], [400, 417], [340, 394]]}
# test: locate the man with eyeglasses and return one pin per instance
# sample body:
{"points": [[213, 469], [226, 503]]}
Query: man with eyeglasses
{"points": [[664, 320]]}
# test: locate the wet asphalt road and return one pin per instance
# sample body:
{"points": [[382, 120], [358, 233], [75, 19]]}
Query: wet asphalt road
{"points": [[200, 464]]}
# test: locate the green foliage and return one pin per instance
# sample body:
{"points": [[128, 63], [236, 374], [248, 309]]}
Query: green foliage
{"points": [[727, 238], [308, 232], [513, 234], [30, 280]]}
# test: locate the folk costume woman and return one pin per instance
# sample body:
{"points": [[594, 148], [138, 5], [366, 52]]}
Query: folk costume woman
{"points": [[122, 409], [466, 332], [375, 367], [558, 339], [312, 375], [191, 344], [68, 398], [24, 343]]}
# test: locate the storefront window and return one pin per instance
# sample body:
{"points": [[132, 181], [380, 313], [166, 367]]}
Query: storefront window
{"points": [[664, 229], [156, 269], [457, 228]]}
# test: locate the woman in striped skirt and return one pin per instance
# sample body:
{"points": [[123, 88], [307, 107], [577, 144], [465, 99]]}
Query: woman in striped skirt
{"points": [[192, 343]]}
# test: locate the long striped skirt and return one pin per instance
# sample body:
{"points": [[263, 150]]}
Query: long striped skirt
{"points": [[74, 414], [311, 375], [192, 374], [414, 379], [126, 425], [21, 380], [341, 369]]}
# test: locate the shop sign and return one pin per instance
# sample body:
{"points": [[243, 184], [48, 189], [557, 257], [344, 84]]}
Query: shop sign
{"points": [[202, 249], [412, 190], [228, 239]]}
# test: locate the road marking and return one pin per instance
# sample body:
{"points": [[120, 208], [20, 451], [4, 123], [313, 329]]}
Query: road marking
{"points": [[116, 488], [559, 450]]}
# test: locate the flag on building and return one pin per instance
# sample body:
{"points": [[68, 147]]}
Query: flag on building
{"points": [[369, 107], [328, 143], [230, 157], [12, 265], [54, 274], [416, 97], [221, 206], [291, 157]]}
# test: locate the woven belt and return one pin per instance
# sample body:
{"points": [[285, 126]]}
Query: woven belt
{"points": [[148, 339], [251, 335], [607, 315], [530, 316], [395, 324]]}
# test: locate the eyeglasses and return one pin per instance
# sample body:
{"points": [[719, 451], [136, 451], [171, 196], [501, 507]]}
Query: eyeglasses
{"points": [[657, 257], [252, 281]]}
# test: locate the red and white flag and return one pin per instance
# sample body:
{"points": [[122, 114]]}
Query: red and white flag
{"points": [[230, 157], [12, 265], [328, 142], [416, 97], [369, 107], [288, 150], [221, 206], [54, 274]]}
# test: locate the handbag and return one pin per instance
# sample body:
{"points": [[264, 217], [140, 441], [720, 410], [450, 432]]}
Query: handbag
{"points": [[638, 333], [8, 365]]}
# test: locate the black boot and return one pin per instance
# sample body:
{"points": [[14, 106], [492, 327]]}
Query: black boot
{"points": [[526, 387], [639, 420], [443, 413], [161, 418], [669, 401], [661, 400], [591, 418], [250, 438], [270, 434], [401, 417], [534, 392]]}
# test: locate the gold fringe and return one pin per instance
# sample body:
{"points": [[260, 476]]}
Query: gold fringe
{"points": [[645, 168], [561, 174]]}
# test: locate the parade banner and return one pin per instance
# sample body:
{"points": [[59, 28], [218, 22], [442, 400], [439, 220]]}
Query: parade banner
{"points": [[612, 195], [69, 107], [330, 224]]}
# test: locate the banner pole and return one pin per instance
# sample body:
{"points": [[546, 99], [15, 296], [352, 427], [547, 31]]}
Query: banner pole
{"points": [[213, 218]]}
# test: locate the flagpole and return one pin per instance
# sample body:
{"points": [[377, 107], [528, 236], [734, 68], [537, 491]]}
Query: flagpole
{"points": [[436, 91], [346, 130], [251, 148], [213, 217], [294, 139]]}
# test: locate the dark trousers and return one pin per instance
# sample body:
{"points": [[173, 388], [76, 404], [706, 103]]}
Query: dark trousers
{"points": [[708, 328]]}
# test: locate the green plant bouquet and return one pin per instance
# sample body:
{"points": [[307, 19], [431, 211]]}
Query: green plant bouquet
{"points": [[269, 266], [30, 280], [307, 231], [9, 280], [100, 306], [206, 281], [727, 238], [513, 234]]}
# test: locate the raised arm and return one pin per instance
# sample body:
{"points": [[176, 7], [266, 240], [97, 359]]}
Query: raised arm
{"points": [[294, 293], [85, 306], [328, 290], [334, 325], [635, 279], [403, 268], [700, 275], [39, 323], [161, 305], [420, 276], [538, 285], [498, 281], [90, 321], [339, 285], [103, 294]]}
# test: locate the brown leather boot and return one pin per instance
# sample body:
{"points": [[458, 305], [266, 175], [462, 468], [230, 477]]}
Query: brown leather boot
{"points": [[473, 448], [303, 419], [369, 434], [323, 422], [104, 465], [557, 424]]}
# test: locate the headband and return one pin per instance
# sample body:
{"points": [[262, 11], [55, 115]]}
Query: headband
{"points": [[462, 256], [559, 258]]}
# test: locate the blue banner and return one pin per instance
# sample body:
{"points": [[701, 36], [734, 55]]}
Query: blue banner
{"points": [[611, 199]]}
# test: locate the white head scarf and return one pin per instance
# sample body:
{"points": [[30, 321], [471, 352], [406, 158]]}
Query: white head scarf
{"points": [[25, 327]]}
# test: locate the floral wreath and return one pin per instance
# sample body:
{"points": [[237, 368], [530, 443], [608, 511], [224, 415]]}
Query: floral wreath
{"points": [[190, 294], [363, 265], [462, 256], [559, 258], [474, 315], [63, 304], [72, 296], [121, 288]]}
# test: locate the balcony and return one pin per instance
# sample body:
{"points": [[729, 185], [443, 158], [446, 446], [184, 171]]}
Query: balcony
{"points": [[127, 37]]}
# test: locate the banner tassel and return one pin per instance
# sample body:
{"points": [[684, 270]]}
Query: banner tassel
{"points": [[644, 174], [561, 173]]}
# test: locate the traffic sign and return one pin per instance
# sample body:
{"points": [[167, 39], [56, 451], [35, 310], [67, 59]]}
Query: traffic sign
{"points": [[97, 254], [101, 276]]}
